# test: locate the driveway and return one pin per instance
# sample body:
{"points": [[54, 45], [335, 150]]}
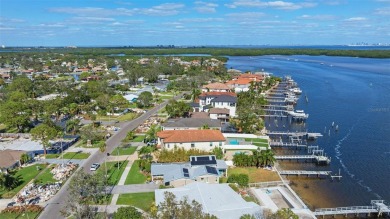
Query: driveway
{"points": [[54, 206]]}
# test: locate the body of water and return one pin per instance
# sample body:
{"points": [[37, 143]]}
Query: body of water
{"points": [[354, 93]]}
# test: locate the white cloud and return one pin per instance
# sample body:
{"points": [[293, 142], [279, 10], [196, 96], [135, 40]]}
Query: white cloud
{"points": [[158, 10], [271, 4], [201, 20], [11, 20], [165, 9], [383, 11], [353, 19], [205, 7], [318, 17]]}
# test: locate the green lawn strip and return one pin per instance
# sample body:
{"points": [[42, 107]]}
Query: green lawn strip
{"points": [[25, 175], [52, 156], [46, 176], [76, 155], [138, 138], [135, 176], [261, 144], [113, 173], [142, 200], [123, 151], [121, 118], [256, 140], [24, 215]]}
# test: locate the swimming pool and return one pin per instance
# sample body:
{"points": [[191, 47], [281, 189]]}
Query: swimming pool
{"points": [[234, 142]]}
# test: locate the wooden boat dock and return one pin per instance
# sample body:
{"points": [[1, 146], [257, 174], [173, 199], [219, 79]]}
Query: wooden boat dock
{"points": [[379, 207], [305, 173]]}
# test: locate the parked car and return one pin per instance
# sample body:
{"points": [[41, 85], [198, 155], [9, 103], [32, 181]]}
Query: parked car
{"points": [[151, 142], [11, 204], [94, 167]]}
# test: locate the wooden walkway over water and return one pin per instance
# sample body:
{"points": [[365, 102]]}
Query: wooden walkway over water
{"points": [[377, 207], [305, 172], [312, 157], [286, 144]]}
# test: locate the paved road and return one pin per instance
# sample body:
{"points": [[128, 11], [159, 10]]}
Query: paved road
{"points": [[54, 205]]}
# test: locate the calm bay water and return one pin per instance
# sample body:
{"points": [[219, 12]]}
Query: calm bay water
{"points": [[354, 93]]}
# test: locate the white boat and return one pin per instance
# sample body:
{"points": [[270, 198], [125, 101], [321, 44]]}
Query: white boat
{"points": [[296, 90], [298, 114]]}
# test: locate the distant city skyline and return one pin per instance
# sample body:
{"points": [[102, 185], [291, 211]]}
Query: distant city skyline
{"points": [[208, 22]]}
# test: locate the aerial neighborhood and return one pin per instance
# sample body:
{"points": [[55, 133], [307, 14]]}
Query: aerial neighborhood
{"points": [[162, 132]]}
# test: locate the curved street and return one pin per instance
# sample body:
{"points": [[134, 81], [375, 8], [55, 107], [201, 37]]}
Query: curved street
{"points": [[54, 206]]}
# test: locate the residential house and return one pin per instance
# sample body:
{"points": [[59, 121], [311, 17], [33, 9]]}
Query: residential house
{"points": [[215, 87], [219, 200], [191, 123], [226, 100], [242, 82], [222, 114], [10, 159], [205, 139], [199, 169]]}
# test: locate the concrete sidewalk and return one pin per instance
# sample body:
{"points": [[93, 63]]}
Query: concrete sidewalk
{"points": [[122, 180]]}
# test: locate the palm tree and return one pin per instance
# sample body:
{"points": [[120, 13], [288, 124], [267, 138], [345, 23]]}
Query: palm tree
{"points": [[72, 126], [195, 93], [268, 157], [152, 132], [24, 158]]}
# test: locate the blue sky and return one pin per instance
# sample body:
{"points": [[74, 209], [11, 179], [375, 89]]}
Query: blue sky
{"points": [[207, 22]]}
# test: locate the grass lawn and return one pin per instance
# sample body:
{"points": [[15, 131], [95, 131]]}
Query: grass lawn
{"points": [[138, 138], [76, 155], [25, 175], [2, 127], [143, 200], [112, 171], [135, 176], [259, 140], [261, 144], [46, 176], [121, 118], [19, 215], [52, 156], [255, 174], [123, 151]]}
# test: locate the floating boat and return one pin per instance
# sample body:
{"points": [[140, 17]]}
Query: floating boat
{"points": [[296, 90], [298, 114]]}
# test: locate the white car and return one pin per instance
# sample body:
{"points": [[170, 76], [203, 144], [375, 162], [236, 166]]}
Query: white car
{"points": [[94, 167]]}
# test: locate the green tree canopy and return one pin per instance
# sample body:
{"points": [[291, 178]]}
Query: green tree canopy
{"points": [[44, 132], [177, 108], [127, 213], [145, 99], [182, 209]]}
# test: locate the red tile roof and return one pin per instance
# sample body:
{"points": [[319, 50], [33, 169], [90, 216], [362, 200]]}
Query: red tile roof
{"points": [[214, 93], [184, 136]]}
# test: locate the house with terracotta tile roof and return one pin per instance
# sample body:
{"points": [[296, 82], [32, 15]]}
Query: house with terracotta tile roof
{"points": [[242, 82], [205, 140], [215, 87], [226, 100]]}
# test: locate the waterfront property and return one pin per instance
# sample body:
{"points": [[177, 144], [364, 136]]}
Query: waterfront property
{"points": [[216, 199], [222, 100], [205, 139], [199, 169], [191, 123]]}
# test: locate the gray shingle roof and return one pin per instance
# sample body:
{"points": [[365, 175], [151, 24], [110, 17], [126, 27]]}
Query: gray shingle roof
{"points": [[225, 99], [216, 199]]}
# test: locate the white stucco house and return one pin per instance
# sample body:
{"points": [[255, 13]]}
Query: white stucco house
{"points": [[206, 139]]}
